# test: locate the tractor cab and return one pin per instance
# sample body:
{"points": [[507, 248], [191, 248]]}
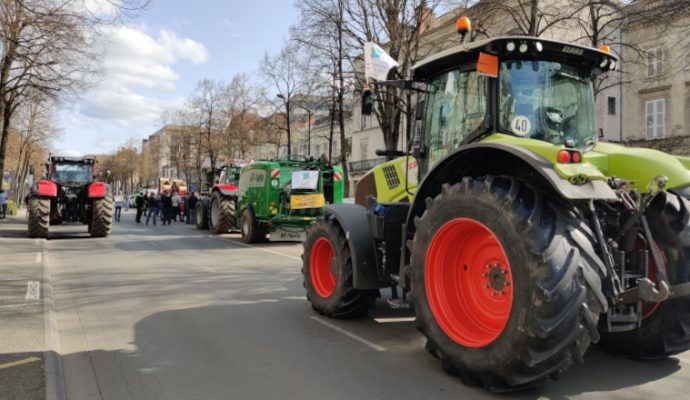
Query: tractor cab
{"points": [[71, 171], [519, 86]]}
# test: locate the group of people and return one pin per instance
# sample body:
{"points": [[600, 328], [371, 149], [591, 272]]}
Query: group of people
{"points": [[166, 206]]}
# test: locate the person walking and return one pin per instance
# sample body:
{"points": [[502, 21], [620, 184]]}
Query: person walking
{"points": [[3, 204], [166, 203], [119, 202], [153, 206], [139, 201], [126, 202], [175, 211], [191, 205]]}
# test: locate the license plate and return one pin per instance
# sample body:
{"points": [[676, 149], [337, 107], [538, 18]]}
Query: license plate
{"points": [[301, 201], [284, 235]]}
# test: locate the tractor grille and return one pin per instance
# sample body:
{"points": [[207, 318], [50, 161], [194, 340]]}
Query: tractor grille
{"points": [[391, 177]]}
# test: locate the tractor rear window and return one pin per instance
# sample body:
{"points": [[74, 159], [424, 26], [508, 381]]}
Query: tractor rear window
{"points": [[456, 108], [73, 173], [547, 101]]}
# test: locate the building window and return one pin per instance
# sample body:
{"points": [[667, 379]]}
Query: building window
{"points": [[655, 62], [656, 115], [363, 148], [612, 105]]}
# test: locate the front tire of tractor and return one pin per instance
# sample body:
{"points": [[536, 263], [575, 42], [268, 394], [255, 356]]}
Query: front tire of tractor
{"points": [[39, 217], [101, 217], [328, 274], [252, 232], [222, 214], [665, 329], [201, 211], [506, 284]]}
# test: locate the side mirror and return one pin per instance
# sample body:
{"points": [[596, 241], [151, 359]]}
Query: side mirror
{"points": [[367, 102]]}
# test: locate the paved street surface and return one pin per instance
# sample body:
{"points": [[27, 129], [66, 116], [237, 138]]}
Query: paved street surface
{"points": [[167, 312]]}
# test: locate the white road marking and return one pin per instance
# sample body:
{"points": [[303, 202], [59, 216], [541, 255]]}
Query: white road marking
{"points": [[33, 290], [55, 384], [349, 334], [393, 320], [19, 362], [255, 247], [39, 257], [295, 298]]}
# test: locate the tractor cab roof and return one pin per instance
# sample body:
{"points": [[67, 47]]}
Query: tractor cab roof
{"points": [[85, 160], [516, 48]]}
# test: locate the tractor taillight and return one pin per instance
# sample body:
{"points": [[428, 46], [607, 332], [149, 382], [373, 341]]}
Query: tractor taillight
{"points": [[569, 157]]}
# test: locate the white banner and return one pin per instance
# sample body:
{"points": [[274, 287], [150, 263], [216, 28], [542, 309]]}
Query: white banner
{"points": [[305, 180], [377, 63]]}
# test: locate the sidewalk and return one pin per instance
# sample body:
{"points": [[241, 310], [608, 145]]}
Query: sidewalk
{"points": [[21, 312]]}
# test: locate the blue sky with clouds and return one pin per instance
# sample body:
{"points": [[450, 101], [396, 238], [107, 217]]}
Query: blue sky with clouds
{"points": [[153, 63]]}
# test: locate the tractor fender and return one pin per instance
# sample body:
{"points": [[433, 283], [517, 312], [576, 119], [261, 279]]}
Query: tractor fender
{"points": [[352, 218], [494, 158], [98, 190], [45, 188], [227, 190]]}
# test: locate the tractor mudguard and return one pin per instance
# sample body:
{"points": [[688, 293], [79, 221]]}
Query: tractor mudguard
{"points": [[497, 159], [98, 190], [354, 222], [227, 190], [45, 188]]}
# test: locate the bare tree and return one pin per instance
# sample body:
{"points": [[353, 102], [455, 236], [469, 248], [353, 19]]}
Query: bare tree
{"points": [[209, 106], [48, 46], [282, 71], [34, 123], [244, 100]]}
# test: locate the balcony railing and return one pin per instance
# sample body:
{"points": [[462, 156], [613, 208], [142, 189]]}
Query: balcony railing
{"points": [[365, 165]]}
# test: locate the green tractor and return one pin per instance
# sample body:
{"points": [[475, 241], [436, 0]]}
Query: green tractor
{"points": [[525, 240], [278, 198]]}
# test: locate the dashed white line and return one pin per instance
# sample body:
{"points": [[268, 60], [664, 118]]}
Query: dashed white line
{"points": [[33, 290], [393, 320], [349, 334]]}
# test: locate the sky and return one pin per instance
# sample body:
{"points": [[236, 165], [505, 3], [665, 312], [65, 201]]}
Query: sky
{"points": [[153, 62]]}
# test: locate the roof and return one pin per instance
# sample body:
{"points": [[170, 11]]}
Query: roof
{"points": [[568, 52], [73, 159]]}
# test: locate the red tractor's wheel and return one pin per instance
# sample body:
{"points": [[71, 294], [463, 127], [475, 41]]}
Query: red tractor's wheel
{"points": [[321, 258], [327, 271], [506, 285], [468, 282]]}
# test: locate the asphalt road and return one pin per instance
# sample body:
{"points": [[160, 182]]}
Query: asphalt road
{"points": [[166, 312]]}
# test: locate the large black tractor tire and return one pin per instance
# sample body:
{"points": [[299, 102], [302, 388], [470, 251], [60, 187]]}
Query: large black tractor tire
{"points": [[327, 271], [101, 217], [221, 214], [506, 283], [252, 231], [39, 217], [201, 211], [665, 330]]}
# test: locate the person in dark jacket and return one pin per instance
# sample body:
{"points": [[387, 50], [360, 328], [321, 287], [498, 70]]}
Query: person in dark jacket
{"points": [[153, 205], [166, 203], [139, 201], [191, 206]]}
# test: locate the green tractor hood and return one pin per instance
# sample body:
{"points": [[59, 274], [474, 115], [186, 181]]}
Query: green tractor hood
{"points": [[640, 165], [610, 160]]}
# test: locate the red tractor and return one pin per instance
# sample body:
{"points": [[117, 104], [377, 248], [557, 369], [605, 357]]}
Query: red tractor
{"points": [[70, 193]]}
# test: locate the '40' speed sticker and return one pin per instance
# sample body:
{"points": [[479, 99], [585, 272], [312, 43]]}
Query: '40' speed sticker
{"points": [[520, 125]]}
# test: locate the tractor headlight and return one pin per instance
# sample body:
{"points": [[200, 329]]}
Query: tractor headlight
{"points": [[510, 46]]}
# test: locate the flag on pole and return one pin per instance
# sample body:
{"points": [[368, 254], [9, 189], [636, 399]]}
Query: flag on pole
{"points": [[377, 63]]}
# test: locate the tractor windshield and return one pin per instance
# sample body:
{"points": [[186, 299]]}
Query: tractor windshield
{"points": [[547, 101], [72, 173]]}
